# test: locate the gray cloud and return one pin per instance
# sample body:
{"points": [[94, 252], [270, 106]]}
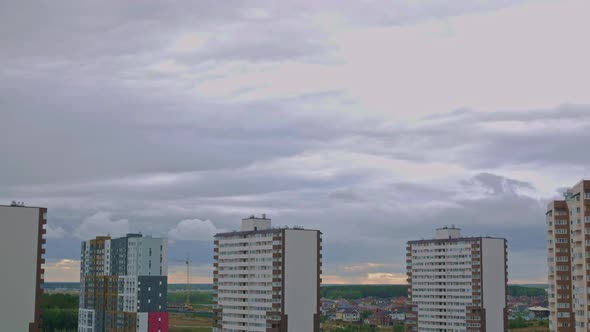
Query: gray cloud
{"points": [[98, 122]]}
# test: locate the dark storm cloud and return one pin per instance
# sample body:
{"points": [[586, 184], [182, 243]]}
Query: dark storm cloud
{"points": [[499, 185]]}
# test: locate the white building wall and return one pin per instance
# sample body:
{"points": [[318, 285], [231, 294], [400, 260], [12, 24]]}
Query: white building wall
{"points": [[301, 279], [257, 284], [128, 293], [425, 259], [493, 282], [253, 224], [19, 233], [142, 322], [86, 320]]}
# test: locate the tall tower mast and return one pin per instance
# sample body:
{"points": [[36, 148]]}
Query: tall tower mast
{"points": [[188, 284]]}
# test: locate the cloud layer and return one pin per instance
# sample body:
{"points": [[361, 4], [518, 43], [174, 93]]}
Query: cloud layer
{"points": [[373, 122]]}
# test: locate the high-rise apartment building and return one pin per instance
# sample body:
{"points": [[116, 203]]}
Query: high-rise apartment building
{"points": [[123, 284], [21, 258], [267, 279], [457, 284], [568, 257]]}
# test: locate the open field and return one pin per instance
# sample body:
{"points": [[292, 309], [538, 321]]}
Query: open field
{"points": [[329, 326], [186, 322]]}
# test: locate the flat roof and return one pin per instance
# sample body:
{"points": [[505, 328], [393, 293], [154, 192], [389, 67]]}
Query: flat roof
{"points": [[23, 206], [262, 231], [456, 239]]}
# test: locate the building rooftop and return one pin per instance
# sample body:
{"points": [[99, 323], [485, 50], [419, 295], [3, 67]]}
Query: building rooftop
{"points": [[469, 238], [21, 205], [264, 231]]}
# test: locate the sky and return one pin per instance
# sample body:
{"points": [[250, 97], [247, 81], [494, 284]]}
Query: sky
{"points": [[375, 122]]}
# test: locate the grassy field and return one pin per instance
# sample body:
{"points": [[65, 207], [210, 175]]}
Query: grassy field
{"points": [[181, 322], [532, 329], [329, 326]]}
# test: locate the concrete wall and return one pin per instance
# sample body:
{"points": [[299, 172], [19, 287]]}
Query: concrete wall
{"points": [[19, 233], [301, 278], [494, 282], [252, 224]]}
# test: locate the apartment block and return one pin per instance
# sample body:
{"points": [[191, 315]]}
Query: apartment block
{"points": [[267, 279], [457, 284], [21, 257], [568, 258], [123, 284]]}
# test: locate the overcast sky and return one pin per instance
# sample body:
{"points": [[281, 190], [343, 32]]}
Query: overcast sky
{"points": [[373, 121]]}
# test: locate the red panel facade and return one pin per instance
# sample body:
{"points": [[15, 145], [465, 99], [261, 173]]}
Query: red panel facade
{"points": [[158, 322]]}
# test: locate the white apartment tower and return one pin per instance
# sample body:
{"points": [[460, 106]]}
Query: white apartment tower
{"points": [[457, 284], [267, 279], [568, 257]]}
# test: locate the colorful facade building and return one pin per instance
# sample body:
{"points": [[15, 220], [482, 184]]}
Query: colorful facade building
{"points": [[123, 284]]}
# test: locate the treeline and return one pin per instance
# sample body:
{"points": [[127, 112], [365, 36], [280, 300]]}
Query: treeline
{"points": [[514, 290], [59, 312], [354, 292], [359, 291], [179, 298]]}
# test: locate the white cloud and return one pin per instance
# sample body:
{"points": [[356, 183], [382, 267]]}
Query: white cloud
{"points": [[62, 270], [193, 229], [199, 273], [101, 223], [55, 233]]}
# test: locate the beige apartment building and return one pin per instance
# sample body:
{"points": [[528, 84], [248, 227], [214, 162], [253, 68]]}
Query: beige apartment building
{"points": [[568, 258]]}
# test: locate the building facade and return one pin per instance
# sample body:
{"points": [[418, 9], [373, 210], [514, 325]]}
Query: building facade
{"points": [[21, 254], [457, 284], [123, 284], [568, 258], [267, 279]]}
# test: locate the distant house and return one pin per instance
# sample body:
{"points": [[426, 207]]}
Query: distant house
{"points": [[380, 318], [399, 314], [348, 315], [327, 306], [343, 304], [539, 312]]}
